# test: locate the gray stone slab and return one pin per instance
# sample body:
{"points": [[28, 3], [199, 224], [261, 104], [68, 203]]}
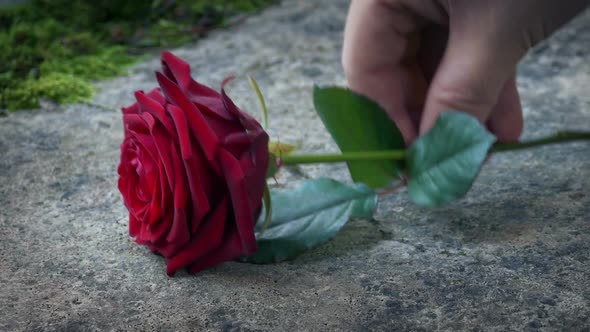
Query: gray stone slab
{"points": [[513, 255]]}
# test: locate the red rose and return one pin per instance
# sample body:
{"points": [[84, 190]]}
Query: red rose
{"points": [[192, 172]]}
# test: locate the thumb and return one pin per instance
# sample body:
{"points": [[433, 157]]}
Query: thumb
{"points": [[486, 41], [470, 78]]}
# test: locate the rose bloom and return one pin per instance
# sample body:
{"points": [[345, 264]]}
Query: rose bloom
{"points": [[192, 171]]}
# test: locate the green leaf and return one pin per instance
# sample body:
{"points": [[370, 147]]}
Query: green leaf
{"points": [[443, 164], [267, 200], [310, 215], [358, 124], [256, 88], [273, 166], [281, 149]]}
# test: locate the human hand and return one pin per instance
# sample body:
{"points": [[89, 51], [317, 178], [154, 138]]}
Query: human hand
{"points": [[418, 58]]}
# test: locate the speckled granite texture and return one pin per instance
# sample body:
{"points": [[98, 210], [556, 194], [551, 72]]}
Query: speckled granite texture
{"points": [[512, 256]]}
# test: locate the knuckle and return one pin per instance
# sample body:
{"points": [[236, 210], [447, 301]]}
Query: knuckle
{"points": [[467, 98]]}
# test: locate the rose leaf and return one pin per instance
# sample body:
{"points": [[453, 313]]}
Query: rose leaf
{"points": [[443, 163], [356, 123], [309, 216]]}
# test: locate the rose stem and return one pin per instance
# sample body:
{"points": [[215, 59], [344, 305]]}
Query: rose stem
{"points": [[559, 137], [343, 157]]}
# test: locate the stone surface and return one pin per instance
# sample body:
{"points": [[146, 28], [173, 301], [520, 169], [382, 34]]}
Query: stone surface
{"points": [[513, 255]]}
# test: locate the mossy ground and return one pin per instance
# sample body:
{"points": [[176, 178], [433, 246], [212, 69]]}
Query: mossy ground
{"points": [[55, 48]]}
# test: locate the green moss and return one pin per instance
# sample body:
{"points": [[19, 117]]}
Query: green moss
{"points": [[105, 64], [62, 88], [55, 48]]}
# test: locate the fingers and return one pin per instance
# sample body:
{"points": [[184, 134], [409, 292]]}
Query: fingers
{"points": [[506, 120], [467, 80], [486, 41], [393, 48], [502, 111], [472, 73], [378, 47]]}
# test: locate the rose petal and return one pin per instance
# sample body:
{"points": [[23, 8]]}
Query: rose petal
{"points": [[222, 128], [182, 130], [179, 71], [135, 123], [254, 162], [176, 69], [133, 109], [237, 140], [148, 160], [128, 181], [231, 246], [201, 130], [180, 189], [201, 184], [246, 120], [212, 106], [155, 211], [249, 154], [157, 95], [178, 235], [165, 194], [155, 233], [153, 107], [197, 171], [134, 226], [208, 238], [161, 142], [243, 212]]}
